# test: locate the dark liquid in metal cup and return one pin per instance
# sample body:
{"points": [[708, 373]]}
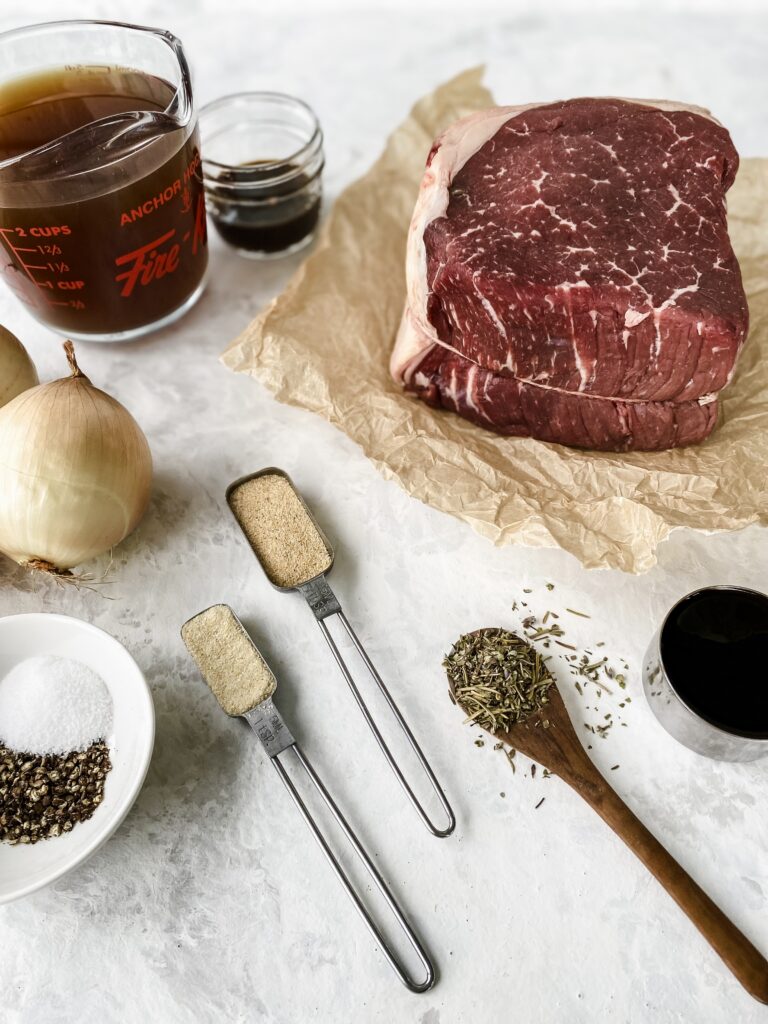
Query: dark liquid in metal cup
{"points": [[102, 222], [714, 648]]}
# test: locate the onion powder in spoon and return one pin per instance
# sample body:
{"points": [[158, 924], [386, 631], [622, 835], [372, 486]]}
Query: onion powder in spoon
{"points": [[52, 705], [236, 673]]}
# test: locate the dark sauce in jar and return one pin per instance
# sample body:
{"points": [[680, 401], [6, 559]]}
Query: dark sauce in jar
{"points": [[265, 206], [714, 647]]}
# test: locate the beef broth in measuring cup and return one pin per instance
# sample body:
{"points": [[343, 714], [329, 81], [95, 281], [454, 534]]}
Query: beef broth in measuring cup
{"points": [[102, 214]]}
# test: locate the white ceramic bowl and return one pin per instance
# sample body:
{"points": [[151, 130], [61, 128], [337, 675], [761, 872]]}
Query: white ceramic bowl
{"points": [[25, 868]]}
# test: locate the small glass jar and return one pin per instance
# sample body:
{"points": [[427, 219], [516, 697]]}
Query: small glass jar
{"points": [[262, 170]]}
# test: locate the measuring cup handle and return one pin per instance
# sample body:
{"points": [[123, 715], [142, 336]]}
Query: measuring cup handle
{"points": [[378, 881]]}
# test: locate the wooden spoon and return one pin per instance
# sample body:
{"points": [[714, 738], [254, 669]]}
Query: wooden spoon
{"points": [[558, 748]]}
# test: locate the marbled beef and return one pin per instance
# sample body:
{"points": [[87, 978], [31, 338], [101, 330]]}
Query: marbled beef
{"points": [[570, 275]]}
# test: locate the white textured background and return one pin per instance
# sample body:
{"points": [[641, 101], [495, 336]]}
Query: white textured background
{"points": [[211, 902]]}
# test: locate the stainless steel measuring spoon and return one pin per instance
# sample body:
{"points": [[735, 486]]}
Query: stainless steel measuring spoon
{"points": [[324, 603], [267, 722]]}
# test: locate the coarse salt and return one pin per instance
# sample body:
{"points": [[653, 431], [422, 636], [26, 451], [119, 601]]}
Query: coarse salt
{"points": [[52, 705]]}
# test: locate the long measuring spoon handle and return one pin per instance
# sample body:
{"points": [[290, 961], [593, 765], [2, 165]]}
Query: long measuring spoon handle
{"points": [[324, 603], [351, 891], [405, 728]]}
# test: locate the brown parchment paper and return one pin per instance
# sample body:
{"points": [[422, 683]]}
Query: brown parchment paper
{"points": [[324, 344]]}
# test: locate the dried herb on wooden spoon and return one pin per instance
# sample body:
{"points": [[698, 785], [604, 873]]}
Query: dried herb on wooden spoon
{"points": [[498, 678], [504, 686]]}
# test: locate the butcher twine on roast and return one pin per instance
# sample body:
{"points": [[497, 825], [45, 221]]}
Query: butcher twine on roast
{"points": [[570, 275]]}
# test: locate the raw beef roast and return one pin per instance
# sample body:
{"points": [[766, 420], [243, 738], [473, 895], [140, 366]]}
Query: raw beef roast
{"points": [[570, 275]]}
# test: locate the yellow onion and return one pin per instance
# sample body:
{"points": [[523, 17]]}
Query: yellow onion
{"points": [[17, 371], [75, 473]]}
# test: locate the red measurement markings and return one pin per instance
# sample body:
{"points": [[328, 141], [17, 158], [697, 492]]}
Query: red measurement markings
{"points": [[15, 251], [57, 268], [46, 250]]}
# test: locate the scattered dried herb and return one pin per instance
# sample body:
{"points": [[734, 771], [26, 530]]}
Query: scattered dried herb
{"points": [[541, 632], [485, 703], [593, 667], [498, 678], [42, 796], [538, 805]]}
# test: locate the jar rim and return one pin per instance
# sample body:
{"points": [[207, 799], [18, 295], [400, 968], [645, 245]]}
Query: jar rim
{"points": [[270, 96]]}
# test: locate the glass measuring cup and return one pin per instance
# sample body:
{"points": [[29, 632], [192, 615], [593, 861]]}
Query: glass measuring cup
{"points": [[102, 212]]}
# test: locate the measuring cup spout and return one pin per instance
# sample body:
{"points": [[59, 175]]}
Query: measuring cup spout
{"points": [[118, 133]]}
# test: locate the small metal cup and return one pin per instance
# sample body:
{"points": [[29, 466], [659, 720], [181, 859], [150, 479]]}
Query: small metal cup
{"points": [[680, 720]]}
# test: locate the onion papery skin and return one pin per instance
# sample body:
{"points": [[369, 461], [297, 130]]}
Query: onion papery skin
{"points": [[17, 371], [75, 474]]}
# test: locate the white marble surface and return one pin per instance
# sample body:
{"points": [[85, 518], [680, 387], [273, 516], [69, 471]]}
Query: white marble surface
{"points": [[211, 903]]}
